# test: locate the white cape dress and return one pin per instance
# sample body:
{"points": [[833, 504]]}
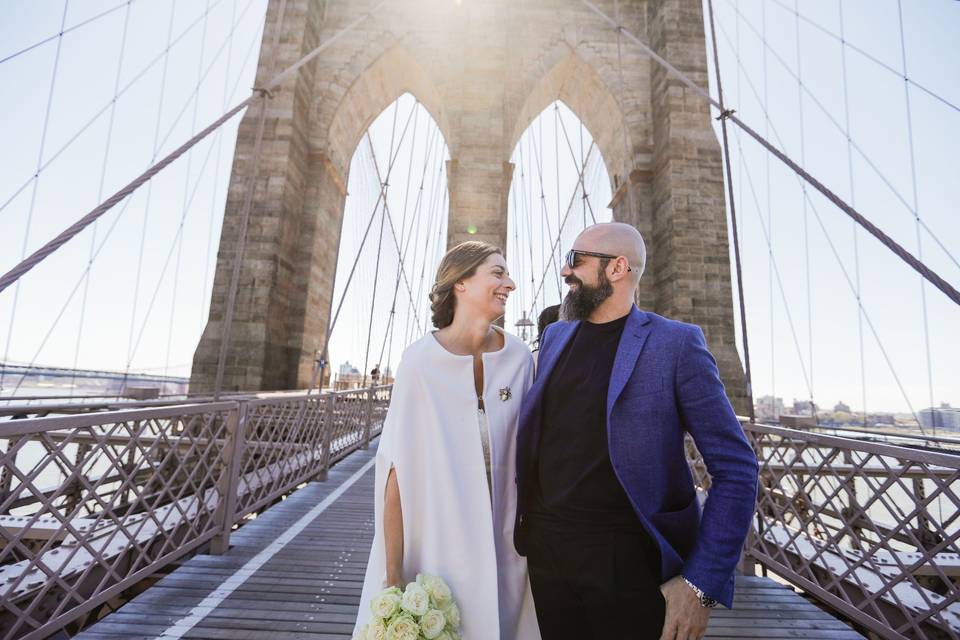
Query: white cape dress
{"points": [[450, 528]]}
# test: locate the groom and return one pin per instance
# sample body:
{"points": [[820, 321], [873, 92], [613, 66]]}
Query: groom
{"points": [[607, 513]]}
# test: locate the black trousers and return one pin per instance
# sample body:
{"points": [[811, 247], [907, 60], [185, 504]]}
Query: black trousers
{"points": [[595, 584]]}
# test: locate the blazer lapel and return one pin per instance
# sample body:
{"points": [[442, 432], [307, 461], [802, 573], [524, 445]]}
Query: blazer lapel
{"points": [[631, 344]]}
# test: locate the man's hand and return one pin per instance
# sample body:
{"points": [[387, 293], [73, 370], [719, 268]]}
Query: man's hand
{"points": [[685, 619]]}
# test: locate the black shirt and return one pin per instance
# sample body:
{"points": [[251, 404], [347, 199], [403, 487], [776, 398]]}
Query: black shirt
{"points": [[576, 485]]}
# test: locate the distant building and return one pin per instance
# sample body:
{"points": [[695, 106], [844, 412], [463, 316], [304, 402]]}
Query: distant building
{"points": [[804, 408], [347, 369], [768, 408], [944, 417], [841, 406], [881, 420]]}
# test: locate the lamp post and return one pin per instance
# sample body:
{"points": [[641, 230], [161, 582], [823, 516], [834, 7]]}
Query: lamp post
{"points": [[522, 325]]}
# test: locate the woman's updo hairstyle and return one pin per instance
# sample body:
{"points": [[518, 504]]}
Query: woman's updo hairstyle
{"points": [[459, 263]]}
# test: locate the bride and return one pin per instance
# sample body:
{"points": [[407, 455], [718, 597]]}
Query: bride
{"points": [[445, 468]]}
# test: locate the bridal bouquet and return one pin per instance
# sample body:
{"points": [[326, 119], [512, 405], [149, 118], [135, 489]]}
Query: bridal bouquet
{"points": [[425, 609]]}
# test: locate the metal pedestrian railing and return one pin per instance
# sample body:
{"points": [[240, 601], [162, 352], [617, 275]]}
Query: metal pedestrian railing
{"points": [[869, 529], [92, 504]]}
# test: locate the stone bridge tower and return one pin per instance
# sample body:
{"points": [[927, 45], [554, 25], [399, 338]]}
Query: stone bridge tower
{"points": [[484, 70]]}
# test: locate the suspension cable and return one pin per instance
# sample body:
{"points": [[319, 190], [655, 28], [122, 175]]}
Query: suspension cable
{"points": [[771, 264], [254, 166], [836, 255], [556, 242], [216, 183], [187, 198], [775, 278], [538, 155], [806, 216], [103, 175], [748, 378], [414, 233], [135, 344], [396, 243], [627, 156], [166, 263], [891, 244], [146, 208], [376, 267], [916, 208], [847, 44], [96, 116], [259, 93], [856, 248], [383, 181], [33, 195], [823, 109], [110, 231], [439, 211], [65, 31]]}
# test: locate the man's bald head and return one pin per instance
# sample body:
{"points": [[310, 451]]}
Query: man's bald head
{"points": [[617, 239]]}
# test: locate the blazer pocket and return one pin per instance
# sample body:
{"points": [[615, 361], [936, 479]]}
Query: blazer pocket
{"points": [[679, 526]]}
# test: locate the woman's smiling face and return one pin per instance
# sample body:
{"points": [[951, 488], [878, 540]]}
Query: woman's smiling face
{"points": [[486, 291]]}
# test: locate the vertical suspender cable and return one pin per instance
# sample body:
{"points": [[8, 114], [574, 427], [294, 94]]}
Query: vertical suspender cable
{"points": [[216, 181], [733, 217], [33, 195], [806, 216], [103, 175], [383, 219], [186, 189], [916, 216], [853, 202], [146, 210], [766, 134], [556, 162], [627, 155]]}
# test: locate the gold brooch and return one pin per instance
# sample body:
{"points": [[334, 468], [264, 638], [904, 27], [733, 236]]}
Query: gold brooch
{"points": [[505, 394]]}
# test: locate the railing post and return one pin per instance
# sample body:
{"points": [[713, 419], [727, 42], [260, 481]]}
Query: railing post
{"points": [[229, 480], [6, 475], [327, 439], [367, 419]]}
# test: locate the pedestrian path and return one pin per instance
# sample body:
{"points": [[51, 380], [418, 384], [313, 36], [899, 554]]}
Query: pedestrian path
{"points": [[296, 571]]}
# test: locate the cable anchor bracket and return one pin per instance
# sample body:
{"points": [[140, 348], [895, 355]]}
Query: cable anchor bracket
{"points": [[725, 114]]}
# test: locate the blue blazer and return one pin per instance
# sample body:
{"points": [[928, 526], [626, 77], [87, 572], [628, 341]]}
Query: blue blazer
{"points": [[664, 383]]}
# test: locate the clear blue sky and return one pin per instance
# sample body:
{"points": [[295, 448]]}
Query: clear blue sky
{"points": [[157, 329]]}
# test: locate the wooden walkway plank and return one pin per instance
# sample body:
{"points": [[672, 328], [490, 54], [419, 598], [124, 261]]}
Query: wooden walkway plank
{"points": [[308, 586]]}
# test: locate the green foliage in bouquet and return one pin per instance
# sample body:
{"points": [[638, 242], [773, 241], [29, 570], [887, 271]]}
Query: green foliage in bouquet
{"points": [[424, 610]]}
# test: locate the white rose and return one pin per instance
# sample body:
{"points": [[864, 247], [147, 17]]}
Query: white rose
{"points": [[376, 630], [443, 636], [432, 624], [362, 634], [437, 588], [403, 627], [386, 604], [415, 599], [452, 613]]}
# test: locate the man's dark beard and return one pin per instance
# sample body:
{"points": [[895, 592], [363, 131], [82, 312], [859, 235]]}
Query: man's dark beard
{"points": [[579, 303]]}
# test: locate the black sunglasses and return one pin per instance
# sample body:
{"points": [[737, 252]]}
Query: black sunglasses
{"points": [[573, 253]]}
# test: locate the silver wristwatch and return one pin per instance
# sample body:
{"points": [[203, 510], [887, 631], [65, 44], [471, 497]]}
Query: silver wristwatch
{"points": [[705, 600]]}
